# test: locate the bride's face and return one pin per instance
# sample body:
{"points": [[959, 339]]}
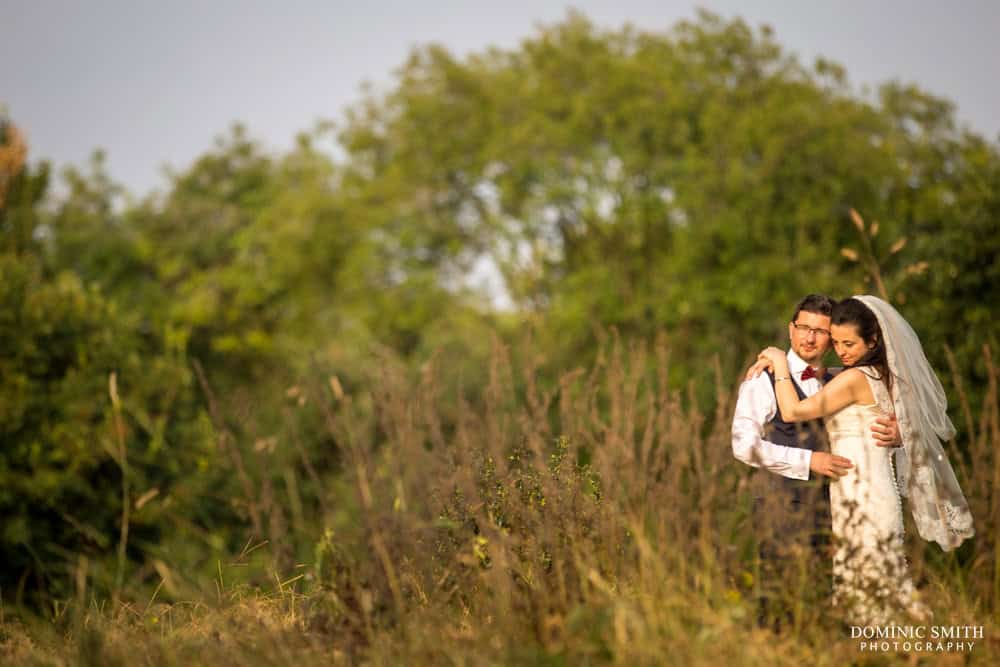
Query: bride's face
{"points": [[848, 345]]}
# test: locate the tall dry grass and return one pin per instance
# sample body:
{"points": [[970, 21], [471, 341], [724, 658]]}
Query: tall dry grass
{"points": [[598, 518]]}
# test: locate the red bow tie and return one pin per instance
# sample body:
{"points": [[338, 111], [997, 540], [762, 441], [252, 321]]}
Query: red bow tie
{"points": [[808, 373]]}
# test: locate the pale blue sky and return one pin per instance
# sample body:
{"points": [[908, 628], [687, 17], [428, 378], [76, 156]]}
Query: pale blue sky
{"points": [[154, 82]]}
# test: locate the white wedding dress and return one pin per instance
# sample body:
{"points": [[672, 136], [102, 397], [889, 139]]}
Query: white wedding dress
{"points": [[871, 579]]}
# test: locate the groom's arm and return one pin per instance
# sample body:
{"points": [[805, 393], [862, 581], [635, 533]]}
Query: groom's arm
{"points": [[755, 407]]}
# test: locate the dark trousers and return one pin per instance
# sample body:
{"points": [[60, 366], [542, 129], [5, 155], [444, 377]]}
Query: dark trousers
{"points": [[794, 556]]}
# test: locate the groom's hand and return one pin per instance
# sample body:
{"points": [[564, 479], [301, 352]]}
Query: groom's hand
{"points": [[886, 432], [831, 465]]}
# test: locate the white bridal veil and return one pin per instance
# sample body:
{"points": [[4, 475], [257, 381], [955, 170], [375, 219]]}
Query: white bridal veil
{"points": [[925, 475]]}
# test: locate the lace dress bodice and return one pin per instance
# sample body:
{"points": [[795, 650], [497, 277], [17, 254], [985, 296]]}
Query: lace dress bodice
{"points": [[849, 431]]}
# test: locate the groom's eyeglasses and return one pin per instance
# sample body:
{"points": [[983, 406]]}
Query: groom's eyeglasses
{"points": [[806, 329]]}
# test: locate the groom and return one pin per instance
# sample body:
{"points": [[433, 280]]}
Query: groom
{"points": [[791, 509]]}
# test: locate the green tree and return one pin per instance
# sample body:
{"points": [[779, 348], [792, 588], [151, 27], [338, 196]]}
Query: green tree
{"points": [[697, 181], [70, 479]]}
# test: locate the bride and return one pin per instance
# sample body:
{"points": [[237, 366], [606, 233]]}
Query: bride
{"points": [[885, 372]]}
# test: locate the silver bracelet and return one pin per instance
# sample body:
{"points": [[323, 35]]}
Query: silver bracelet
{"points": [[784, 377]]}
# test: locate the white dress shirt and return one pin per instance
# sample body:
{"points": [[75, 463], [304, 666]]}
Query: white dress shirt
{"points": [[755, 407]]}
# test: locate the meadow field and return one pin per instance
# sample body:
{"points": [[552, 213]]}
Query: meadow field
{"points": [[599, 520]]}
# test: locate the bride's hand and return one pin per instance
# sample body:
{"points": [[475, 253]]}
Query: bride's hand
{"points": [[758, 367], [774, 356]]}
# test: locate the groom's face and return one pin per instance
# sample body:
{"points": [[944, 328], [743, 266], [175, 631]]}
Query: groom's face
{"points": [[810, 336]]}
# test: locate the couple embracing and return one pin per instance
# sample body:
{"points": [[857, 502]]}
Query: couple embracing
{"points": [[883, 417]]}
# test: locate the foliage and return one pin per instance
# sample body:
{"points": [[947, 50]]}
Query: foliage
{"points": [[68, 348], [698, 181]]}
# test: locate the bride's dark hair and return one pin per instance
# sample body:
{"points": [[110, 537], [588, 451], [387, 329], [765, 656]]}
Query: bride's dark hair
{"points": [[852, 311]]}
